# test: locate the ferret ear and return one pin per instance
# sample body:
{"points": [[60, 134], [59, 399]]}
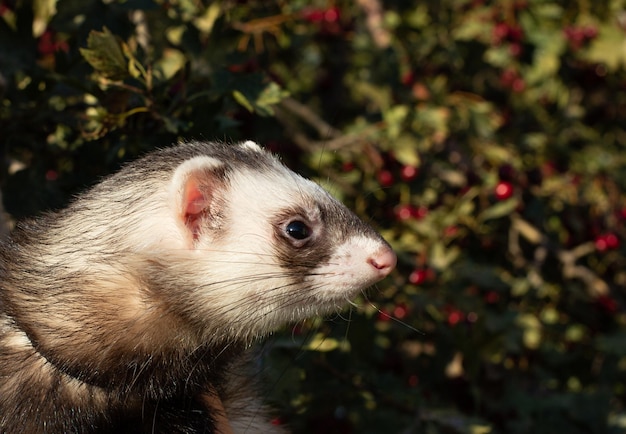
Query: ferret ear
{"points": [[252, 146], [194, 187]]}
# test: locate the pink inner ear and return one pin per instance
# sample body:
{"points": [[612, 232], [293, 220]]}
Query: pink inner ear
{"points": [[195, 202]]}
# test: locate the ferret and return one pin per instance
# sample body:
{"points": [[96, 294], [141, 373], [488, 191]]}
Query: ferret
{"points": [[133, 309]]}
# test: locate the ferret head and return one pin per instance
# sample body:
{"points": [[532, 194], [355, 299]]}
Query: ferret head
{"points": [[258, 246]]}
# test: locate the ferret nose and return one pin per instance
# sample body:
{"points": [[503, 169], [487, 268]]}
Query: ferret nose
{"points": [[383, 261]]}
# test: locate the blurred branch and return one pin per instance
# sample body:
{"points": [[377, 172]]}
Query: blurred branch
{"points": [[290, 111], [324, 129], [568, 258], [255, 28]]}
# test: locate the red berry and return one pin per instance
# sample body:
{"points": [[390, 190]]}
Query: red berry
{"points": [[48, 44], [408, 79], [409, 173], [575, 36], [521, 4], [607, 303], [601, 244], [518, 85], [331, 15], [590, 32], [508, 76], [348, 166], [503, 190], [400, 311], [418, 276], [45, 45], [511, 79], [500, 32], [52, 175], [313, 15], [492, 297], [450, 231], [503, 31], [403, 212], [607, 242], [612, 241], [515, 33], [420, 212], [385, 178], [455, 317], [515, 49], [247, 66], [413, 380]]}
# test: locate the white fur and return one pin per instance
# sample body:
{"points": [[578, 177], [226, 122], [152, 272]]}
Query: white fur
{"points": [[262, 298], [245, 248], [253, 146], [349, 270]]}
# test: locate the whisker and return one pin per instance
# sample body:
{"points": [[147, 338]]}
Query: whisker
{"points": [[393, 318]]}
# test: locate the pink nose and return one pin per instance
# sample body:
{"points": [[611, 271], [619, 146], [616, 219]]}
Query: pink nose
{"points": [[383, 261]]}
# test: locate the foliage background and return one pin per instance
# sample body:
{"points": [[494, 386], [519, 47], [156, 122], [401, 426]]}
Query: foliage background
{"points": [[484, 139]]}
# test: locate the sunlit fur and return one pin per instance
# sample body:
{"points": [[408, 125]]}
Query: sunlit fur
{"points": [[125, 310]]}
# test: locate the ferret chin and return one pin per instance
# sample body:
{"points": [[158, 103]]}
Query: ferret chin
{"points": [[130, 310]]}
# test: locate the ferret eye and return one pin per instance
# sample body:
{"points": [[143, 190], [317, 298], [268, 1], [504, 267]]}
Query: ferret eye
{"points": [[298, 230]]}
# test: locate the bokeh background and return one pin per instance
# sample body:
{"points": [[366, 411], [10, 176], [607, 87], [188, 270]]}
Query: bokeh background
{"points": [[484, 139]]}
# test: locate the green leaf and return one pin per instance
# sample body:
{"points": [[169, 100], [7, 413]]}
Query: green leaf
{"points": [[251, 94], [549, 10], [271, 95], [532, 335], [395, 118], [441, 257], [419, 18], [205, 22], [105, 54], [377, 95], [135, 69], [498, 210], [172, 61], [609, 48], [405, 149], [322, 343], [43, 11], [499, 56], [472, 26], [241, 99]]}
